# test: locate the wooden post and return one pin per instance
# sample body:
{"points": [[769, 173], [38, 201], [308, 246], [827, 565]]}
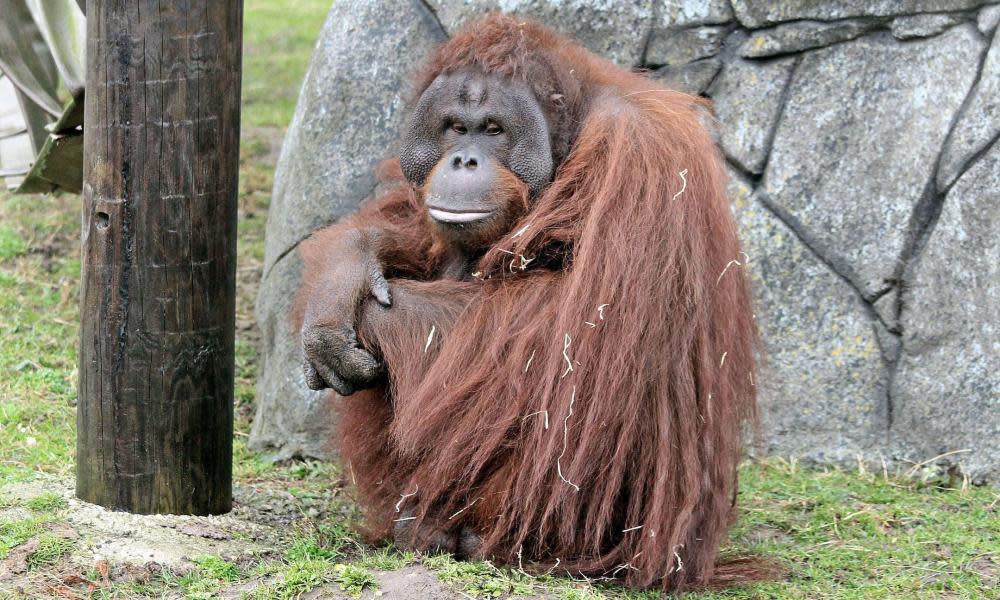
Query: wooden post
{"points": [[161, 150]]}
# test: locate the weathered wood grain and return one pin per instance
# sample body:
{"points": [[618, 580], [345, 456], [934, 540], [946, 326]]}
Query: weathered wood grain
{"points": [[154, 423]]}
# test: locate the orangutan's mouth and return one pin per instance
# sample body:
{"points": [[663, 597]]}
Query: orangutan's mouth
{"points": [[457, 216]]}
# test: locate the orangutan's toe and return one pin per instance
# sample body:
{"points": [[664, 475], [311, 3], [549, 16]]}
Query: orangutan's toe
{"points": [[427, 539], [468, 544]]}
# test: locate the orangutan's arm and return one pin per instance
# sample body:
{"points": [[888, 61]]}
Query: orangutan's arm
{"points": [[410, 331], [344, 265]]}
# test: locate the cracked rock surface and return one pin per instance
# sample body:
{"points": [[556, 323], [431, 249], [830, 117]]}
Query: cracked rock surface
{"points": [[947, 388], [748, 102], [803, 35], [979, 124], [824, 380], [757, 13], [861, 131], [863, 141]]}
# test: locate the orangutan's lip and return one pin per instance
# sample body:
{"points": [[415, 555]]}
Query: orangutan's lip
{"points": [[451, 216]]}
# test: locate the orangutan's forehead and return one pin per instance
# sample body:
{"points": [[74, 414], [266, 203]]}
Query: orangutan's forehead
{"points": [[475, 88]]}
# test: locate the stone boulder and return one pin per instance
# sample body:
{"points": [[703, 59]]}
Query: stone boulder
{"points": [[347, 119], [862, 139]]}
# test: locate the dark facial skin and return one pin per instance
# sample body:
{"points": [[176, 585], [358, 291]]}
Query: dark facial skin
{"points": [[469, 136]]}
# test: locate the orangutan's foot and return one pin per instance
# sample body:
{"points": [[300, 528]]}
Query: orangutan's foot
{"points": [[468, 544], [463, 542]]}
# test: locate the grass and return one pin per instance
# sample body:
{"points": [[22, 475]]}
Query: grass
{"points": [[840, 533], [39, 275], [46, 502], [15, 532], [50, 549], [277, 37]]}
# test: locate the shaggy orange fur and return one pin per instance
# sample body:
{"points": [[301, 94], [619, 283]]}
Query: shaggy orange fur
{"points": [[580, 402]]}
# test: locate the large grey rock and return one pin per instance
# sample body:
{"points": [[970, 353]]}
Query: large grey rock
{"points": [[291, 419], [347, 119], [347, 116], [616, 30], [693, 78], [803, 35], [747, 98], [979, 123], [681, 46], [860, 133], [758, 13], [915, 26], [823, 389], [947, 389]]}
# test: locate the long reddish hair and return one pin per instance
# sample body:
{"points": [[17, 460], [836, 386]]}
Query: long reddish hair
{"points": [[583, 399]]}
